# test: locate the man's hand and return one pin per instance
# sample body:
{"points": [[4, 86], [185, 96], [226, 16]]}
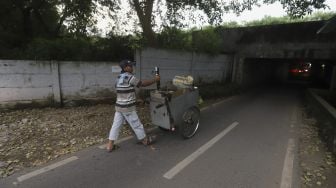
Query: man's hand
{"points": [[157, 78]]}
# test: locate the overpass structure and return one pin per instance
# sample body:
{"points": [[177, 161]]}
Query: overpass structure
{"points": [[270, 53]]}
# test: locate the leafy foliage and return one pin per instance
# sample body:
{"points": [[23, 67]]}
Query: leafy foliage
{"points": [[268, 20], [79, 49], [207, 40], [214, 11], [173, 38], [59, 29], [27, 19], [298, 9], [56, 29]]}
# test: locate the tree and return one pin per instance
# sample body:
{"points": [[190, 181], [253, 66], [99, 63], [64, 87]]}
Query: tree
{"points": [[144, 11], [75, 16], [78, 15], [29, 19], [214, 10], [26, 19]]}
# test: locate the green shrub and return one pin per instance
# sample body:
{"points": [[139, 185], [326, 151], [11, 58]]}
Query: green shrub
{"points": [[201, 41], [268, 20], [173, 38], [79, 49], [207, 40]]}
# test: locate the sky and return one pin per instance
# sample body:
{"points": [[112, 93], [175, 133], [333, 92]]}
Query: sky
{"points": [[257, 13]]}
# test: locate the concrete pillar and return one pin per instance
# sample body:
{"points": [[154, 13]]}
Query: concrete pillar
{"points": [[138, 67], [191, 69], [234, 69], [333, 79], [228, 71], [56, 82], [237, 72]]}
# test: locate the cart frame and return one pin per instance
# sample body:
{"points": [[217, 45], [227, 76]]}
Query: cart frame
{"points": [[181, 112]]}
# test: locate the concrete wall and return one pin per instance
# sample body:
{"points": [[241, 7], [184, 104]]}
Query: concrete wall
{"points": [[203, 68], [51, 82], [87, 80], [25, 81], [325, 115]]}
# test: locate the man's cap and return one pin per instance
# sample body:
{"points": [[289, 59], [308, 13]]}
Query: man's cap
{"points": [[125, 63]]}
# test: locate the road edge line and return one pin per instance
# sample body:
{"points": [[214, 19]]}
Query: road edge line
{"points": [[185, 162], [46, 169], [287, 172]]}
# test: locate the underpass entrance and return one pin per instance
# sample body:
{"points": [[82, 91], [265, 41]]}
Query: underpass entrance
{"points": [[315, 73]]}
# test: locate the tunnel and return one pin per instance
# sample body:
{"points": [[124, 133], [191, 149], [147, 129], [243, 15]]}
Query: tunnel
{"points": [[315, 73]]}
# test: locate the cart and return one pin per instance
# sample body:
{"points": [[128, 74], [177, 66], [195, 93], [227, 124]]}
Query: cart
{"points": [[176, 110]]}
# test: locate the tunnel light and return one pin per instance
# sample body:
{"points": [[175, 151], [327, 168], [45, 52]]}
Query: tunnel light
{"points": [[323, 66]]}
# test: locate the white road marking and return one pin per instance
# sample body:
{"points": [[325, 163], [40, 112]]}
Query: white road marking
{"points": [[204, 108], [103, 146], [193, 156], [46, 169], [287, 172], [218, 103], [181, 165]]}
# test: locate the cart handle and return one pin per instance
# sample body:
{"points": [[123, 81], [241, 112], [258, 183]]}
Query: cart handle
{"points": [[157, 73]]}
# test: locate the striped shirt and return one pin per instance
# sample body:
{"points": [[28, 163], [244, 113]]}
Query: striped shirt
{"points": [[126, 98]]}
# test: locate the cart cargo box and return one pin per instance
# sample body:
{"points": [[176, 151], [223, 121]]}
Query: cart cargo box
{"points": [[176, 109]]}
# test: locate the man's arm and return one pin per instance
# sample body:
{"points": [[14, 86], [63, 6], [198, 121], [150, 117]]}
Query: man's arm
{"points": [[145, 83]]}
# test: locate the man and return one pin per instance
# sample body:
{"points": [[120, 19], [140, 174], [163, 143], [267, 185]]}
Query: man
{"points": [[125, 105]]}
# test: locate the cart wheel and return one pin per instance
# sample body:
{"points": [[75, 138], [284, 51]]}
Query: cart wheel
{"points": [[190, 122]]}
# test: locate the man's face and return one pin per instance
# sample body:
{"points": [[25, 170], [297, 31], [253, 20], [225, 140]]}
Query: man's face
{"points": [[129, 68]]}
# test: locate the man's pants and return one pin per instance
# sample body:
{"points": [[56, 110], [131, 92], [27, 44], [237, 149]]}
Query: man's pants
{"points": [[132, 118]]}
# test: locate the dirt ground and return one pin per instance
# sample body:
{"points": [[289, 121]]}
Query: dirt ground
{"points": [[32, 137], [317, 165]]}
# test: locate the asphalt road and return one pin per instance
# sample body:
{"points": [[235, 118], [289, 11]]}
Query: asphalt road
{"points": [[245, 141]]}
